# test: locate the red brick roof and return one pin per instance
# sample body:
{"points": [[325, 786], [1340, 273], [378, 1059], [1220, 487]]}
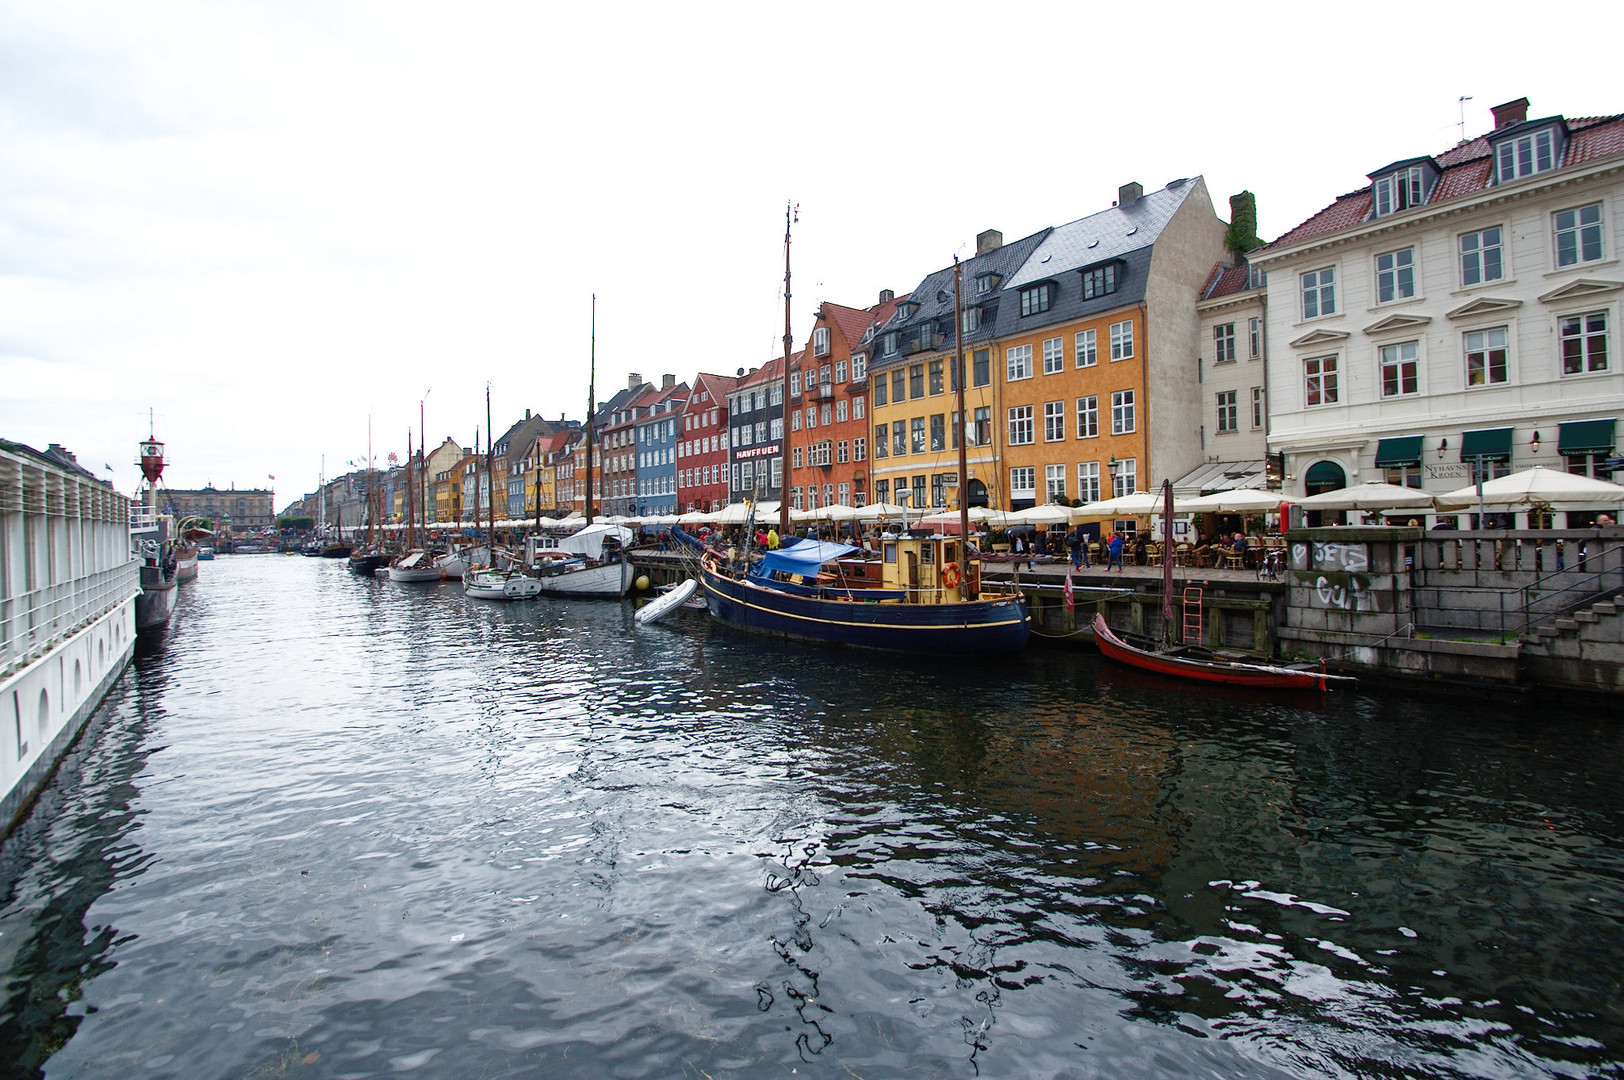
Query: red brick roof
{"points": [[1466, 170]]}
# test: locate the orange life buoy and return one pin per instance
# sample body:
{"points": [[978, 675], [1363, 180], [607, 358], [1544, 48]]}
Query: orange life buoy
{"points": [[950, 576]]}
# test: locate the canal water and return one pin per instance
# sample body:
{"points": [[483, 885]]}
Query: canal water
{"points": [[346, 828]]}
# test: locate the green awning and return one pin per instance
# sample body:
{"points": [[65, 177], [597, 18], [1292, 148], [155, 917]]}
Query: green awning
{"points": [[1490, 444], [1586, 437], [1404, 450], [1325, 474]]}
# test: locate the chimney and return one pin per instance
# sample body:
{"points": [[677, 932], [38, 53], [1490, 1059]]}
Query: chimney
{"points": [[886, 296], [667, 381], [527, 414], [991, 240], [1512, 112], [633, 381], [1129, 192]]}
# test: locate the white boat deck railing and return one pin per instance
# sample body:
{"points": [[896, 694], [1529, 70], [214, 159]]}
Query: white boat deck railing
{"points": [[31, 622], [143, 518]]}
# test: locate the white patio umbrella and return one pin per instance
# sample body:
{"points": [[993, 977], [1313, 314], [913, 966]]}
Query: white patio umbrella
{"points": [[1046, 514], [1537, 486], [880, 512], [1372, 495], [1139, 504], [696, 517], [731, 514], [837, 512], [1236, 501], [987, 515]]}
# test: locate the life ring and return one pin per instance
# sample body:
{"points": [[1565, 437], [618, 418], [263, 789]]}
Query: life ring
{"points": [[950, 576]]}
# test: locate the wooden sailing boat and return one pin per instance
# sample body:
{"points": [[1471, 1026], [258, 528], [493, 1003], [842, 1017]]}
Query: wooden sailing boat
{"points": [[417, 565]]}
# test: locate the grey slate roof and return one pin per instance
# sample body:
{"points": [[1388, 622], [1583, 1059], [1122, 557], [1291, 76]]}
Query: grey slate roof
{"points": [[1105, 235], [934, 296]]}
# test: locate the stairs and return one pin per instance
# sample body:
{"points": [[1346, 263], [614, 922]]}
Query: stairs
{"points": [[1583, 649]]}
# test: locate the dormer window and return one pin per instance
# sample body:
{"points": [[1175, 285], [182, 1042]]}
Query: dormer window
{"points": [[1037, 299], [1402, 186], [1099, 280], [888, 344], [971, 321], [905, 311], [985, 283], [1520, 153], [820, 341]]}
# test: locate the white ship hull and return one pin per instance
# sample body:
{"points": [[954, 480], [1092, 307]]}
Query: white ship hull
{"points": [[611, 580]]}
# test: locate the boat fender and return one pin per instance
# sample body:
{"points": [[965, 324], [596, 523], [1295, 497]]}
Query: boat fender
{"points": [[642, 582], [950, 576]]}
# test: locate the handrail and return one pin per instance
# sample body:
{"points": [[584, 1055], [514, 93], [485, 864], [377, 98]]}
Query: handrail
{"points": [[30, 622], [1528, 600]]}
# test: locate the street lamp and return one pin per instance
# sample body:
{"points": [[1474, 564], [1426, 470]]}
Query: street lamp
{"points": [[1113, 465]]}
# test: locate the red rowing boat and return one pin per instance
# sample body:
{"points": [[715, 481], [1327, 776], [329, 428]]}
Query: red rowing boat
{"points": [[1202, 665]]}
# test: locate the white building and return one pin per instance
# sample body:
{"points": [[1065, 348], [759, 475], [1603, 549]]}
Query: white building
{"points": [[1233, 362], [1458, 312]]}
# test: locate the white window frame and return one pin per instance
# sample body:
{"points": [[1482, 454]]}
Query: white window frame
{"points": [[1322, 373], [1088, 417], [1229, 420], [1088, 481], [1401, 357], [820, 341], [859, 367], [1054, 421], [1320, 284], [1472, 255], [1124, 420], [1054, 355], [1023, 482], [1395, 275], [1021, 427], [1581, 332], [1580, 229], [1086, 345], [1223, 343], [1054, 483], [1017, 363], [1125, 481], [1254, 337], [1480, 343], [1259, 413], [1525, 155], [1122, 340]]}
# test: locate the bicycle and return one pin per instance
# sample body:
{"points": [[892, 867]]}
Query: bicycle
{"points": [[1271, 565]]}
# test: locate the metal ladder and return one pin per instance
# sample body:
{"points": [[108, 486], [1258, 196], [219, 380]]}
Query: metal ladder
{"points": [[1192, 615]]}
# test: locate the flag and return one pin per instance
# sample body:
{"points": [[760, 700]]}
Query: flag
{"points": [[1071, 601], [272, 477], [109, 468]]}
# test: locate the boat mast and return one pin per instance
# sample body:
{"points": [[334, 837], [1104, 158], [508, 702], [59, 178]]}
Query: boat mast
{"points": [[490, 480], [790, 216], [1167, 561], [591, 405], [411, 521], [372, 485], [476, 474], [958, 380], [423, 470]]}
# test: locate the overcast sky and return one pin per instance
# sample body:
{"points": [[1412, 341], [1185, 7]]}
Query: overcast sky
{"points": [[268, 222]]}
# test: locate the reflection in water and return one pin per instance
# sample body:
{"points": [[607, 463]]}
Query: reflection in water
{"points": [[356, 828]]}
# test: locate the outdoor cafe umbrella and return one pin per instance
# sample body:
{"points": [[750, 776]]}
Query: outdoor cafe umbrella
{"points": [[1537, 486], [1139, 504], [1046, 514], [1372, 495], [837, 512], [881, 511], [1235, 501]]}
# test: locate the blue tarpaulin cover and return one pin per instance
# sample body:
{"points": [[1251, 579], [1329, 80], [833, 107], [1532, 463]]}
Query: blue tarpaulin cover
{"points": [[803, 558]]}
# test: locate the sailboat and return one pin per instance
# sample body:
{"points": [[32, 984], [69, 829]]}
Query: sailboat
{"points": [[367, 560], [924, 594], [487, 582], [417, 565]]}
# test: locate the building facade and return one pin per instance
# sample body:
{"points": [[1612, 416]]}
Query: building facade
{"points": [[657, 438], [243, 510], [1457, 316], [828, 388], [755, 433], [1233, 372], [702, 450]]}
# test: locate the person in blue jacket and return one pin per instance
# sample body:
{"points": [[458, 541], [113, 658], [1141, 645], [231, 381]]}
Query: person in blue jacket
{"points": [[1115, 550]]}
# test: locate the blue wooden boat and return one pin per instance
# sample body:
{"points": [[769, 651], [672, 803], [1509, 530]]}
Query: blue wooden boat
{"points": [[914, 598]]}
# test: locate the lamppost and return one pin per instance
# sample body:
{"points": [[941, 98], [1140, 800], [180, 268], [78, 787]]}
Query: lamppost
{"points": [[1113, 465]]}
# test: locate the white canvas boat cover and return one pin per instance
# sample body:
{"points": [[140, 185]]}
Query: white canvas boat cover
{"points": [[589, 541]]}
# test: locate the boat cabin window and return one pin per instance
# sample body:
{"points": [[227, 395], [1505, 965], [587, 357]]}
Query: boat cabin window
{"points": [[950, 552], [891, 552], [929, 551]]}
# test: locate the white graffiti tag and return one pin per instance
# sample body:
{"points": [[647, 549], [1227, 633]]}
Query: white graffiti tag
{"points": [[1352, 596], [1331, 555]]}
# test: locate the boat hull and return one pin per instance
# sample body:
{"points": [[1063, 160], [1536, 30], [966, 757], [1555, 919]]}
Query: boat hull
{"points": [[488, 585], [1257, 676], [972, 626], [367, 565], [661, 606], [610, 581], [414, 573], [155, 603]]}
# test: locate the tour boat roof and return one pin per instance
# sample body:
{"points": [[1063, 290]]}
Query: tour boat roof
{"points": [[804, 558]]}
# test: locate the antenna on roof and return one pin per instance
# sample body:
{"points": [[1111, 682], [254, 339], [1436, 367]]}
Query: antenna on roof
{"points": [[1464, 98]]}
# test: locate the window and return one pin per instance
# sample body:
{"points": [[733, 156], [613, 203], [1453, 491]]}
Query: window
{"points": [[1486, 357], [1399, 368], [840, 411], [776, 428], [845, 495], [1088, 481], [795, 458], [1054, 483], [1023, 483], [1035, 300], [1524, 155], [916, 381], [938, 431], [1480, 257], [879, 391], [1087, 348], [761, 431], [1099, 281], [1088, 417], [899, 439], [859, 367], [935, 376], [1223, 343], [888, 343], [794, 383], [1228, 411], [882, 440], [984, 283], [1125, 479], [982, 364], [1395, 275], [811, 416], [983, 428], [1121, 340], [1122, 422], [859, 449], [1403, 476], [1319, 293], [1020, 425], [919, 492], [899, 386], [1018, 361], [1584, 343], [857, 408], [827, 416], [840, 371], [970, 320], [823, 374], [882, 490], [818, 453], [1319, 381], [1054, 356], [820, 341], [1400, 190], [795, 500], [1054, 421], [1578, 235], [1257, 407], [918, 424], [1254, 335]]}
